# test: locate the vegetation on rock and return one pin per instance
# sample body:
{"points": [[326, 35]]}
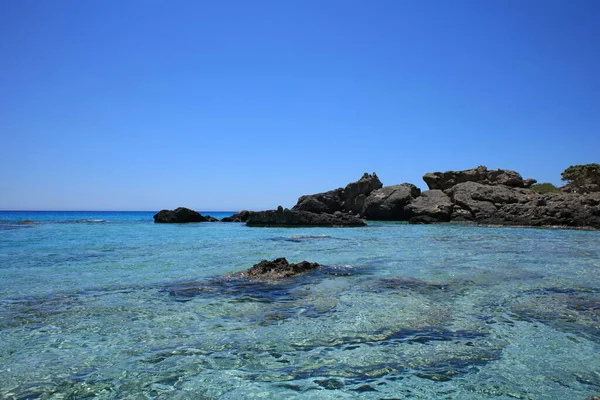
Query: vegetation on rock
{"points": [[582, 178], [544, 188]]}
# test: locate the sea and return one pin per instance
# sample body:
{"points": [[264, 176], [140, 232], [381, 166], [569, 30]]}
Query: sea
{"points": [[110, 305]]}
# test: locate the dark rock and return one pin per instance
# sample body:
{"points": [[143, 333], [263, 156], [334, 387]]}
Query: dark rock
{"points": [[388, 202], [431, 207], [276, 269], [328, 202], [181, 215], [501, 205], [581, 189], [448, 179], [288, 218], [348, 199], [355, 193], [241, 216]]}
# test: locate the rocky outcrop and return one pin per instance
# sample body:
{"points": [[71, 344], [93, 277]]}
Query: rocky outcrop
{"points": [[431, 207], [288, 218], [348, 200], [241, 216], [388, 203], [478, 195], [503, 205], [448, 179], [276, 269], [181, 215]]}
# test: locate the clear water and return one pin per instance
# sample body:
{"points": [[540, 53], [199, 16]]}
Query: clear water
{"points": [[111, 305]]}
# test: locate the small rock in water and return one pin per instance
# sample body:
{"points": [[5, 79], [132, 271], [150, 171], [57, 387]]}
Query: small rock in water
{"points": [[181, 215], [276, 269]]}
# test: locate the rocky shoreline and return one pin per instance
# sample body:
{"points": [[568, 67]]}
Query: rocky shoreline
{"points": [[480, 196]]}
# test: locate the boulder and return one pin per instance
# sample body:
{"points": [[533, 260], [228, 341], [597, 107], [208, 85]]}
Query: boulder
{"points": [[348, 199], [289, 218], [431, 207], [241, 216], [181, 215], [501, 205], [276, 269], [327, 202], [355, 193], [388, 202], [448, 179]]}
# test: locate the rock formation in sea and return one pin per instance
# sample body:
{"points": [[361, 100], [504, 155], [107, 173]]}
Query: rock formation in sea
{"points": [[501, 197], [276, 269], [181, 215], [346, 200], [241, 216], [287, 218], [478, 195], [448, 179]]}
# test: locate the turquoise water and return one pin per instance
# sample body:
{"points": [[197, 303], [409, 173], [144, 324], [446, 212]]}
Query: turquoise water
{"points": [[111, 305]]}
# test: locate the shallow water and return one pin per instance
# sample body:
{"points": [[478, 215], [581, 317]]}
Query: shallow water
{"points": [[111, 305]]}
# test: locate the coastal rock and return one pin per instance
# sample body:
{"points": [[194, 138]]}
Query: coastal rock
{"points": [[448, 179], [388, 202], [327, 202], [289, 218], [355, 193], [241, 216], [348, 199], [501, 205], [276, 269], [181, 215], [431, 207]]}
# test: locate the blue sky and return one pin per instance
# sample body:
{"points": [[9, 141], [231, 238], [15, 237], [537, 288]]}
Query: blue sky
{"points": [[143, 105]]}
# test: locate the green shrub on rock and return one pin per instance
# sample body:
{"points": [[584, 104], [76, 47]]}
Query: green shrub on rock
{"points": [[582, 178], [544, 188]]}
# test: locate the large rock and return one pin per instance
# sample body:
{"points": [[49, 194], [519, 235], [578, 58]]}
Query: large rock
{"points": [[355, 193], [276, 269], [348, 199], [241, 216], [448, 179], [289, 218], [501, 205], [431, 207], [327, 202], [388, 202], [181, 215]]}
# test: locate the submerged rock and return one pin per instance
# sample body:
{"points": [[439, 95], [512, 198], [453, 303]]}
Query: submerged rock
{"points": [[288, 218], [181, 215], [276, 269]]}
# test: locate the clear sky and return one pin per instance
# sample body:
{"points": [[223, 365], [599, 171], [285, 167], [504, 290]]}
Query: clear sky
{"points": [[225, 105]]}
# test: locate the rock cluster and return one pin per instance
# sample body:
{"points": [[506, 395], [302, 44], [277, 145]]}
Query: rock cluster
{"points": [[276, 269], [503, 205], [448, 179], [478, 195], [287, 217]]}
